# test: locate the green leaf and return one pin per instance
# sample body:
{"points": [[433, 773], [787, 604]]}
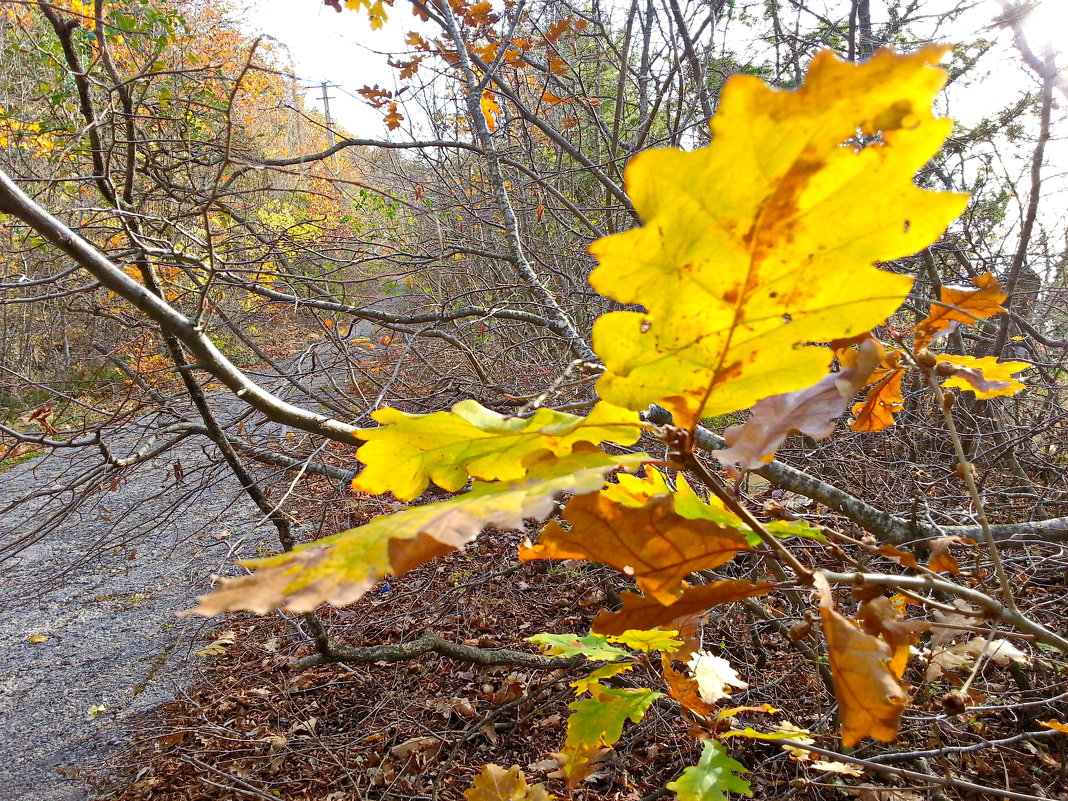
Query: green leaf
{"points": [[712, 777], [648, 640], [341, 568], [598, 721], [410, 450], [592, 646], [795, 528]]}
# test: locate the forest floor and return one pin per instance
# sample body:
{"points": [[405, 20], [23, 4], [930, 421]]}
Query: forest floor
{"points": [[89, 638], [255, 726], [125, 698]]}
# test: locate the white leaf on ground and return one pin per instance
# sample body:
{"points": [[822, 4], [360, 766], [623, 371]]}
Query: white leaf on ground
{"points": [[714, 675]]}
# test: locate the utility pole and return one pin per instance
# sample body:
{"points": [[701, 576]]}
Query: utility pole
{"points": [[326, 114]]}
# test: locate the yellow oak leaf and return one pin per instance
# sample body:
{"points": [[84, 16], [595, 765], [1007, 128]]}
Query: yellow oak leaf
{"points": [[652, 543], [765, 241], [961, 305], [986, 376], [497, 784], [340, 568], [410, 450], [870, 700]]}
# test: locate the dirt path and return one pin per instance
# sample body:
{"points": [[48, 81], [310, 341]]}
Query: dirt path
{"points": [[103, 587]]}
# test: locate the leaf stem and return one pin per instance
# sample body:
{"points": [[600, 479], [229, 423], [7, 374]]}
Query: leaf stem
{"points": [[967, 472], [718, 489]]}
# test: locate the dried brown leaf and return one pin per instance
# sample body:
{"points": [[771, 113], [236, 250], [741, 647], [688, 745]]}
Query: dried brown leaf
{"points": [[652, 543], [870, 700], [643, 612]]}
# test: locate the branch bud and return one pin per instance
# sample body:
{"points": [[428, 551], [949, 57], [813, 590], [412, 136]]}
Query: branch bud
{"points": [[925, 359]]}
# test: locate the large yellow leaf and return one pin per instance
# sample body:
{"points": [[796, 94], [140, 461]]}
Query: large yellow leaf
{"points": [[870, 700], [765, 240], [410, 450], [652, 543], [340, 568], [986, 376]]}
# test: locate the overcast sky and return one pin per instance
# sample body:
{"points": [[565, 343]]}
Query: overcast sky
{"points": [[342, 50]]}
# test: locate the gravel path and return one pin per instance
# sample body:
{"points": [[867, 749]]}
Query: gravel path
{"points": [[103, 585], [104, 594]]}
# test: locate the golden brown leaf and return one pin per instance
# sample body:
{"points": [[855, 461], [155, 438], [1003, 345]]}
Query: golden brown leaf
{"points": [[903, 558], [490, 109], [643, 612], [884, 400], [961, 305], [942, 560], [879, 617], [652, 542], [870, 700], [497, 784]]}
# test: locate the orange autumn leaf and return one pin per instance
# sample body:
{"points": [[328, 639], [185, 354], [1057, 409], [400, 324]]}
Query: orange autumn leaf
{"points": [[480, 14], [942, 560], [684, 689], [1056, 725], [652, 543], [394, 118], [490, 110], [903, 558], [961, 305], [557, 66], [883, 401], [880, 617], [870, 700], [643, 612], [557, 29]]}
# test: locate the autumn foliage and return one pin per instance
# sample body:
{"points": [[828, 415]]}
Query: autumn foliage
{"points": [[754, 251]]}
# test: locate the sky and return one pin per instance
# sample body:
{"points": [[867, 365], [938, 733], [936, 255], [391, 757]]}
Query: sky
{"points": [[323, 45], [340, 49]]}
